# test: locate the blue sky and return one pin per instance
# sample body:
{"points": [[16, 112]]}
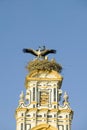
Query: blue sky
{"points": [[58, 24]]}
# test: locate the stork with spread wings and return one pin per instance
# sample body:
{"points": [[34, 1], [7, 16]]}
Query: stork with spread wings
{"points": [[41, 52]]}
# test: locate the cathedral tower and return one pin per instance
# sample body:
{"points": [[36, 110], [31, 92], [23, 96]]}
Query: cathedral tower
{"points": [[40, 107]]}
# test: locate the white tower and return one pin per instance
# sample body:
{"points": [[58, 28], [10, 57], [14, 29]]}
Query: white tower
{"points": [[40, 108]]}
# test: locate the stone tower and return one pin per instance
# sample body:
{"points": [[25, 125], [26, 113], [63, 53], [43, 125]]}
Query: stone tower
{"points": [[40, 107]]}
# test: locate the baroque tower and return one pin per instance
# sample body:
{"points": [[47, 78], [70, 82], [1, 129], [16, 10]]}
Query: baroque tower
{"points": [[40, 107]]}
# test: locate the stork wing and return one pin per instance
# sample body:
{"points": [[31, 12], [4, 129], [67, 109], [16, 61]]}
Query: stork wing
{"points": [[46, 52], [30, 51]]}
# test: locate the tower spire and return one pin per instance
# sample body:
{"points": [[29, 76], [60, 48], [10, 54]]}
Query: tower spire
{"points": [[40, 107]]}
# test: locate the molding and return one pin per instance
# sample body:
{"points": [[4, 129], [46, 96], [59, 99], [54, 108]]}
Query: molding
{"points": [[21, 109], [55, 103], [34, 73], [42, 79], [44, 126], [65, 110]]}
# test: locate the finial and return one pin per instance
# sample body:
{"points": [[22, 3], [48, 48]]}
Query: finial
{"points": [[21, 98], [65, 97]]}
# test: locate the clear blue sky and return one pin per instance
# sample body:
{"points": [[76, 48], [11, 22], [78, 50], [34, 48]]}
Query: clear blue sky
{"points": [[58, 24]]}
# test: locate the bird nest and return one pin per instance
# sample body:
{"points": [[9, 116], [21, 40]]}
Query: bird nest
{"points": [[44, 65]]}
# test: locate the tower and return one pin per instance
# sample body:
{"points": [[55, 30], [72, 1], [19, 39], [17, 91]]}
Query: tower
{"points": [[40, 107]]}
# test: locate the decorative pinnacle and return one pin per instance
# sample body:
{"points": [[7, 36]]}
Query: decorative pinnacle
{"points": [[22, 96], [65, 97]]}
